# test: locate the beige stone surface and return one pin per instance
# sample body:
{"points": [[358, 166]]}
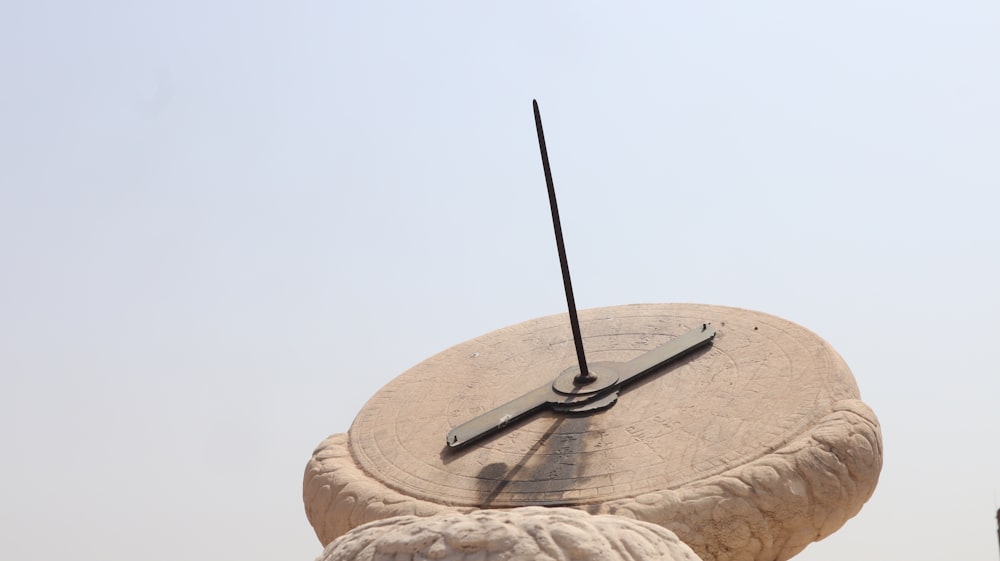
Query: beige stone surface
{"points": [[748, 450], [339, 496], [530, 533]]}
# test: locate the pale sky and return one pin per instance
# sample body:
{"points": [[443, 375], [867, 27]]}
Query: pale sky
{"points": [[224, 226]]}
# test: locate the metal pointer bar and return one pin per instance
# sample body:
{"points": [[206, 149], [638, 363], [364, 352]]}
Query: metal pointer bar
{"points": [[502, 416], [667, 352]]}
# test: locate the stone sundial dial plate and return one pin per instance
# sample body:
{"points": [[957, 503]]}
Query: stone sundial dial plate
{"points": [[762, 383]]}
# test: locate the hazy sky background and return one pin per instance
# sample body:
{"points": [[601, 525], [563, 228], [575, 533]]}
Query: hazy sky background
{"points": [[223, 226]]}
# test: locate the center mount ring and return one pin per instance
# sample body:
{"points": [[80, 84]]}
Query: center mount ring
{"points": [[607, 376]]}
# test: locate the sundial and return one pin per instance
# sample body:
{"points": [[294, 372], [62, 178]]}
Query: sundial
{"points": [[741, 432]]}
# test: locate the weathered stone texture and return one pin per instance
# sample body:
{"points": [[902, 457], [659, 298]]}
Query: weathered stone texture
{"points": [[769, 509], [535, 533]]}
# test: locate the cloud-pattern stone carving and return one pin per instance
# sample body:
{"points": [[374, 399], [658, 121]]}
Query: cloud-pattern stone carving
{"points": [[536, 533]]}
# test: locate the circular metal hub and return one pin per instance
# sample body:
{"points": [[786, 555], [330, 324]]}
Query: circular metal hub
{"points": [[606, 376]]}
